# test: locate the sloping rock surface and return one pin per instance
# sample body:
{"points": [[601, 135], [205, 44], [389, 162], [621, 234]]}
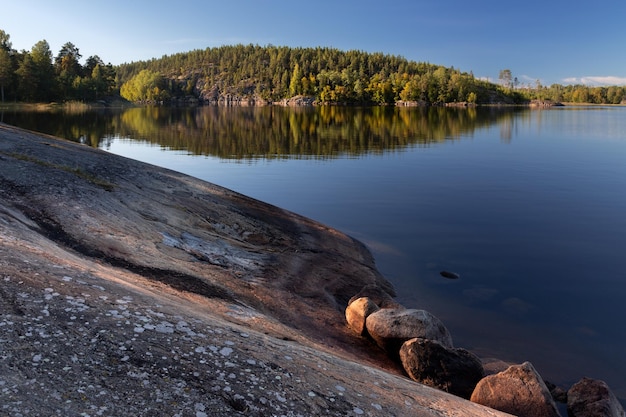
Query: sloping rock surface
{"points": [[131, 290]]}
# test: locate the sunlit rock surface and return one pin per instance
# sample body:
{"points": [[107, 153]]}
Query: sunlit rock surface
{"points": [[519, 390]]}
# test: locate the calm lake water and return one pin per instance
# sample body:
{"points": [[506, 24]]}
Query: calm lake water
{"points": [[528, 206]]}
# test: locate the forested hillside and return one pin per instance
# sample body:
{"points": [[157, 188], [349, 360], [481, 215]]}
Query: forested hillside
{"points": [[329, 75], [253, 73]]}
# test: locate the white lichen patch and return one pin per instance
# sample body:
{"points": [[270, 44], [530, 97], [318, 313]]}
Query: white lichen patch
{"points": [[217, 252], [85, 350], [88, 344]]}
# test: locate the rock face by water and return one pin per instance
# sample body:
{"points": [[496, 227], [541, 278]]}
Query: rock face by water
{"points": [[132, 290]]}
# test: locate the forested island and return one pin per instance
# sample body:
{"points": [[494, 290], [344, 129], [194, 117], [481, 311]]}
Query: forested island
{"points": [[253, 74]]}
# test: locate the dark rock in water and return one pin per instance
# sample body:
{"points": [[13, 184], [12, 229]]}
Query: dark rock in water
{"points": [[450, 275], [558, 393], [592, 398]]}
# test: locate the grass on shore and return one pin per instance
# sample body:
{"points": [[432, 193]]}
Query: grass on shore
{"points": [[68, 106]]}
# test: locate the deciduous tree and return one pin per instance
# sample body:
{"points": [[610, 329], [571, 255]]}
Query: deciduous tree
{"points": [[145, 86]]}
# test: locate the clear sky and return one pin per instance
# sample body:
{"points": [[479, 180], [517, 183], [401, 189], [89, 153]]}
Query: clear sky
{"points": [[553, 41]]}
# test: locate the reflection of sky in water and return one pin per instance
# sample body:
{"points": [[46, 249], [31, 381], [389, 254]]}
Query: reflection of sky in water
{"points": [[530, 213]]}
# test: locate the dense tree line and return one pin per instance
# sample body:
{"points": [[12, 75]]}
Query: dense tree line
{"points": [[37, 76], [581, 94], [269, 73]]}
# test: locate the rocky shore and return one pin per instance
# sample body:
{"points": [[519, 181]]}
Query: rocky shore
{"points": [[132, 290]]}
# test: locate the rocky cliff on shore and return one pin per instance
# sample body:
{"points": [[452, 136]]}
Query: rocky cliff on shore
{"points": [[132, 290]]}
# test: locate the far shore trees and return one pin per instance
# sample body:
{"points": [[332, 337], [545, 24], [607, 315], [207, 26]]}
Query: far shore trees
{"points": [[271, 73], [34, 76]]}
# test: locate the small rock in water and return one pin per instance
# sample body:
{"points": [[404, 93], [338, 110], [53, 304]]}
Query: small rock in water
{"points": [[450, 275]]}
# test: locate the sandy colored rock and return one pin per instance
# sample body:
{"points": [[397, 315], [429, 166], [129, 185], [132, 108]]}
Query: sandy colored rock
{"points": [[357, 312], [519, 390], [132, 290]]}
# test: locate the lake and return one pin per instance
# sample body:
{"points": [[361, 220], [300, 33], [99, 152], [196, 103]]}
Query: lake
{"points": [[528, 206]]}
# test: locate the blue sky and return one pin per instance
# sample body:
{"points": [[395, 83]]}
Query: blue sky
{"points": [[552, 41]]}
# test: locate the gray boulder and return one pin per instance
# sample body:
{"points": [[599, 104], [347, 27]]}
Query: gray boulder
{"points": [[456, 371], [391, 327], [592, 398], [519, 390], [357, 312]]}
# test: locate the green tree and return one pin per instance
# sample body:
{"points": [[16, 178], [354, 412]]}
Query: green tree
{"points": [[145, 86], [91, 63], [506, 78], [615, 95], [44, 71], [99, 82], [6, 61], [295, 85], [6, 70], [580, 94], [5, 42], [28, 80], [67, 67]]}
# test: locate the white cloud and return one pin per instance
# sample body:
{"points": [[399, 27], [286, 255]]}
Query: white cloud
{"points": [[597, 81]]}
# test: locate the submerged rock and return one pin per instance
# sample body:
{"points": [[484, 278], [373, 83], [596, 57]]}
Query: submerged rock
{"points": [[450, 275]]}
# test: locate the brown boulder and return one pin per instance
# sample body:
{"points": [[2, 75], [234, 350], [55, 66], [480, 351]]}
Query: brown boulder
{"points": [[391, 327], [456, 371], [592, 398], [357, 312], [519, 390]]}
